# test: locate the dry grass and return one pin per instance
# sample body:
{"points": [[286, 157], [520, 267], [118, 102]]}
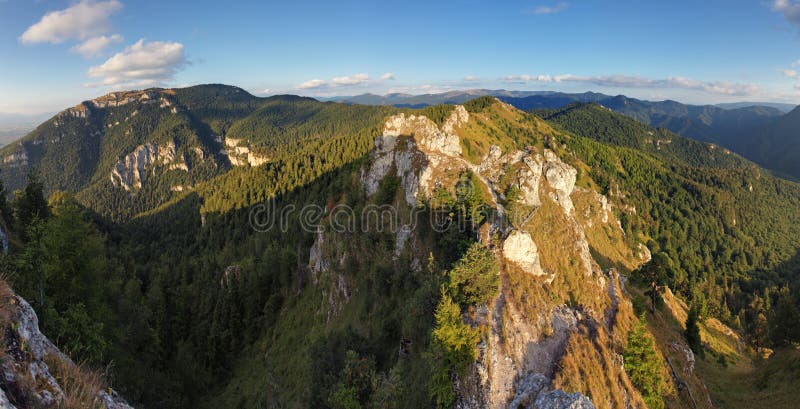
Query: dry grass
{"points": [[498, 125], [79, 383], [606, 240], [556, 235], [591, 367]]}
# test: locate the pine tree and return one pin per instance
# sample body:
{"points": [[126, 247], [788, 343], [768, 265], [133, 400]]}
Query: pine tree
{"points": [[30, 205], [692, 333], [643, 365]]}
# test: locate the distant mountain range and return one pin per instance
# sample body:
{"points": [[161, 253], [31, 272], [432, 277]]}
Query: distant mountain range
{"points": [[777, 105], [762, 132]]}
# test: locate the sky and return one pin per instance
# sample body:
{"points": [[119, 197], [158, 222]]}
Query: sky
{"points": [[56, 53]]}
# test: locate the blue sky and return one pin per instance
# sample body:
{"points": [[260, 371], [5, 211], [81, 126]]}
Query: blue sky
{"points": [[55, 53]]}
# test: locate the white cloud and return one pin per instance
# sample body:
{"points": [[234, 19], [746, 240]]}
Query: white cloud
{"points": [[552, 9], [354, 79], [80, 21], [528, 78], [471, 78], [789, 73], [315, 83], [632, 81], [95, 46], [141, 65], [421, 89], [790, 10]]}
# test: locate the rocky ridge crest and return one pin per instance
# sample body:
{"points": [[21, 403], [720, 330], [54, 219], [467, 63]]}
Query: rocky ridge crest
{"points": [[424, 156]]}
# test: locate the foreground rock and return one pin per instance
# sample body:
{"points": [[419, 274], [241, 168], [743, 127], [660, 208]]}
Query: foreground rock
{"points": [[32, 364]]}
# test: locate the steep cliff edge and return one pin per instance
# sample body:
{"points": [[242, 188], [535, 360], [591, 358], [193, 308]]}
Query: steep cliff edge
{"points": [[35, 373]]}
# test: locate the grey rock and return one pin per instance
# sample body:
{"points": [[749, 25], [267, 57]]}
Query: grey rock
{"points": [[559, 399]]}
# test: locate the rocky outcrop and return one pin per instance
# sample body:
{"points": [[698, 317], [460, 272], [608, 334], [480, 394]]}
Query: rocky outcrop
{"points": [[561, 400], [316, 259], [534, 392], [239, 154], [131, 171], [25, 370], [643, 253], [419, 153], [19, 158], [527, 168], [561, 177], [520, 249], [118, 99], [688, 355], [428, 136]]}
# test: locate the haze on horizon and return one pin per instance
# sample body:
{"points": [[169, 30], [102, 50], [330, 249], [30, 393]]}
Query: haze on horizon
{"points": [[57, 53]]}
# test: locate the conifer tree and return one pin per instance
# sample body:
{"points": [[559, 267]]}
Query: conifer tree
{"points": [[693, 331], [643, 365]]}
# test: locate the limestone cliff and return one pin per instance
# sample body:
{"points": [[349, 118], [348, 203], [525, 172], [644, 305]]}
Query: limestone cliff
{"points": [[132, 170], [239, 154]]}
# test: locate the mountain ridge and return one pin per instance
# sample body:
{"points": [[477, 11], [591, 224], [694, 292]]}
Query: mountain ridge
{"points": [[736, 126], [552, 218]]}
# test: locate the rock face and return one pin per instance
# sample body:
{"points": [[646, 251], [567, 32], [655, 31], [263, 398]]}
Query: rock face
{"points": [[316, 259], [117, 99], [131, 171], [520, 249], [428, 136], [561, 178], [240, 155], [17, 158], [417, 150], [28, 349]]}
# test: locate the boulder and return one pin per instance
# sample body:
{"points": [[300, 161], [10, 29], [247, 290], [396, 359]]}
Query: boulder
{"points": [[520, 249]]}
